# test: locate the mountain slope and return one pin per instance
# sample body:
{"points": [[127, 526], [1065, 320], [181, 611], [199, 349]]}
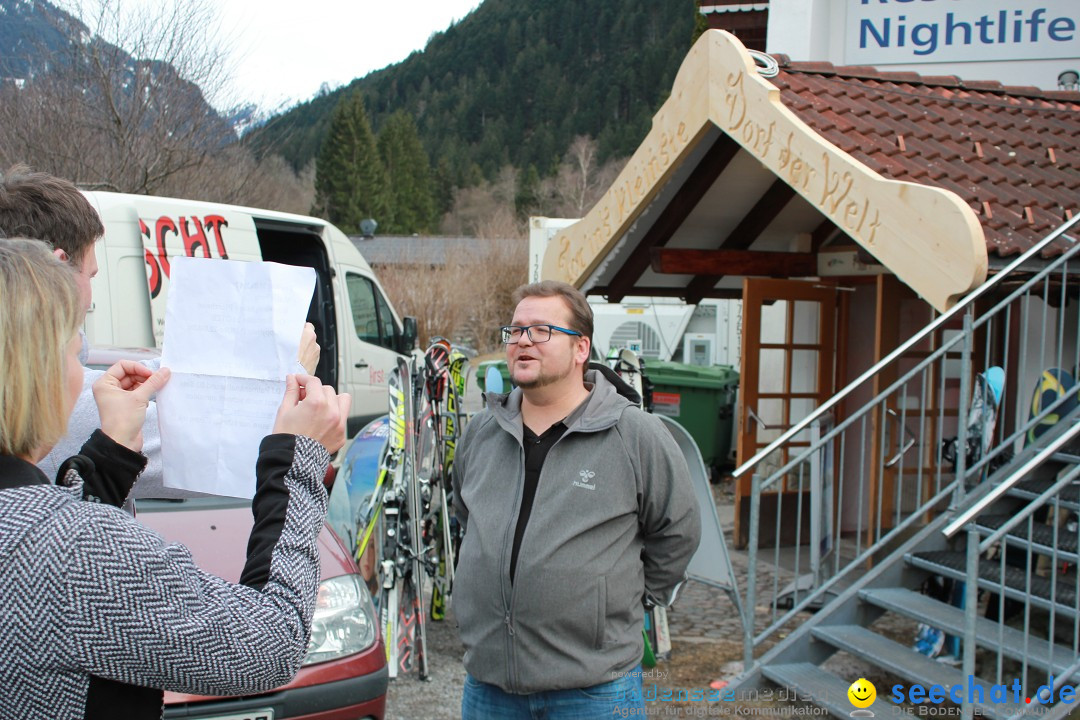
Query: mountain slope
{"points": [[513, 83], [38, 39]]}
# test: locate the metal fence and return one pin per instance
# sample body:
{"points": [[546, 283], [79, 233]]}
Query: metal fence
{"points": [[892, 452], [1040, 539]]}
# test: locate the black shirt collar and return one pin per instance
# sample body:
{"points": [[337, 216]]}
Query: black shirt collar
{"points": [[16, 472]]}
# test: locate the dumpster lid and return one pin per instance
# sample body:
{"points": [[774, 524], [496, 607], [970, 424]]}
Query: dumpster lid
{"points": [[682, 374]]}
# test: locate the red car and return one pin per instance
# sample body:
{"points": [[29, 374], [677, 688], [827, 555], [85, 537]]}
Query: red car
{"points": [[344, 676]]}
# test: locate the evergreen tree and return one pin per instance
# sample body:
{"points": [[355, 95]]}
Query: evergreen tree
{"points": [[408, 174], [443, 186], [350, 182], [527, 196], [700, 24]]}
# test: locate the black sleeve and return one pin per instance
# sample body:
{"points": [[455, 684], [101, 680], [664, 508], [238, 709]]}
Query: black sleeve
{"points": [[144, 613], [107, 468], [268, 506]]}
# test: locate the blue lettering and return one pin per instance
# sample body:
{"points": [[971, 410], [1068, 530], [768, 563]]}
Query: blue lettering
{"points": [[1067, 694], [1058, 27], [955, 695], [916, 693], [882, 38], [952, 26], [972, 688], [1049, 688], [926, 44], [1034, 21], [1027, 25], [937, 694], [697, 695], [897, 694]]}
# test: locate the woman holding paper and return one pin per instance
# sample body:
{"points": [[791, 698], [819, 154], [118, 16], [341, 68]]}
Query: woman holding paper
{"points": [[98, 613]]}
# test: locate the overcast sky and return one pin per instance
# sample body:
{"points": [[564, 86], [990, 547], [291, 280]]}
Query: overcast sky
{"points": [[286, 49]]}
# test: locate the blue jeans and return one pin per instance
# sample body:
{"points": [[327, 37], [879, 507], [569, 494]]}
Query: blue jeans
{"points": [[621, 697]]}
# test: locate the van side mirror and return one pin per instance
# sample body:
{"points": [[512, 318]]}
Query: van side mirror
{"points": [[408, 335]]}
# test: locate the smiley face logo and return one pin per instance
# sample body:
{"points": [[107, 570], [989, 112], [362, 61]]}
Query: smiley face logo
{"points": [[862, 693]]}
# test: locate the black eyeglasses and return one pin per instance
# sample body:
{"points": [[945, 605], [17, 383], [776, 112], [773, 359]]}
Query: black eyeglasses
{"points": [[511, 334]]}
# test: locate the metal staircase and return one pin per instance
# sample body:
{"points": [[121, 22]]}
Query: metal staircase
{"points": [[1003, 529]]}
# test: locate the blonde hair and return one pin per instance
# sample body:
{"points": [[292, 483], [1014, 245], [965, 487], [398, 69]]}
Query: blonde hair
{"points": [[39, 314]]}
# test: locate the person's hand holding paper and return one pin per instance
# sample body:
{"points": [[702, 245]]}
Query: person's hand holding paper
{"points": [[314, 410], [232, 334]]}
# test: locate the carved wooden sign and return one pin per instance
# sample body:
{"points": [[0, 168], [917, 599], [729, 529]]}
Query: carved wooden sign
{"points": [[927, 236]]}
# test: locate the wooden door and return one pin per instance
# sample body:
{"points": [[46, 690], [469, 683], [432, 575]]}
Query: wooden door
{"points": [[905, 458], [788, 369]]}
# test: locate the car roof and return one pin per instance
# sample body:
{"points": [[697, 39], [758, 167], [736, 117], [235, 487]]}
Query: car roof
{"points": [[108, 355]]}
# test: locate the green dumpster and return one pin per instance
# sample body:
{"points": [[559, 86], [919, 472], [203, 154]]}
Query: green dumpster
{"points": [[701, 399], [481, 374]]}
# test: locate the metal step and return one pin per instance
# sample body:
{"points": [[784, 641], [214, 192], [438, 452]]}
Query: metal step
{"points": [[1033, 488], [827, 690], [910, 665], [1042, 536], [953, 565], [1040, 653]]}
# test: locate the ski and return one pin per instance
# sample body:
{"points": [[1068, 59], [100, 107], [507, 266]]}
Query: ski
{"points": [[413, 571], [631, 368]]}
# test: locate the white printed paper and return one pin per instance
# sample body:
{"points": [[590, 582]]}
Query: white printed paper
{"points": [[232, 334]]}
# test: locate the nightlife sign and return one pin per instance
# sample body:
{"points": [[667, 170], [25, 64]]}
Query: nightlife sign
{"points": [[881, 32]]}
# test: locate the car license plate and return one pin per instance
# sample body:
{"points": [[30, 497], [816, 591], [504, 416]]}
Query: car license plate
{"points": [[267, 714]]}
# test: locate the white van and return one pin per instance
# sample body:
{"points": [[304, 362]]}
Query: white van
{"points": [[360, 333]]}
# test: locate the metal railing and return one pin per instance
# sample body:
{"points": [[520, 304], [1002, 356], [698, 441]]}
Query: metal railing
{"points": [[1046, 613], [887, 453]]}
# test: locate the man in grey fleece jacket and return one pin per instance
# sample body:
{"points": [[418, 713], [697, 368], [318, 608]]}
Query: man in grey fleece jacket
{"points": [[578, 509]]}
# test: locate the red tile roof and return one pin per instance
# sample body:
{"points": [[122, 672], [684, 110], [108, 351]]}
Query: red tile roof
{"points": [[1012, 153]]}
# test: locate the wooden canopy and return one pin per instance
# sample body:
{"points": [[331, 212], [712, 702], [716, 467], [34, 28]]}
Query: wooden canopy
{"points": [[730, 182]]}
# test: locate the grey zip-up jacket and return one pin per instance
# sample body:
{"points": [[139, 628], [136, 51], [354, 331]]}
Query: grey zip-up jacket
{"points": [[614, 519]]}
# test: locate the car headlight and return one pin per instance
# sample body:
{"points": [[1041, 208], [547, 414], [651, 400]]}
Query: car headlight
{"points": [[344, 621]]}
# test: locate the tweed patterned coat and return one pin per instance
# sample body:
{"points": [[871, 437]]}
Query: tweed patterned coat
{"points": [[90, 599]]}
